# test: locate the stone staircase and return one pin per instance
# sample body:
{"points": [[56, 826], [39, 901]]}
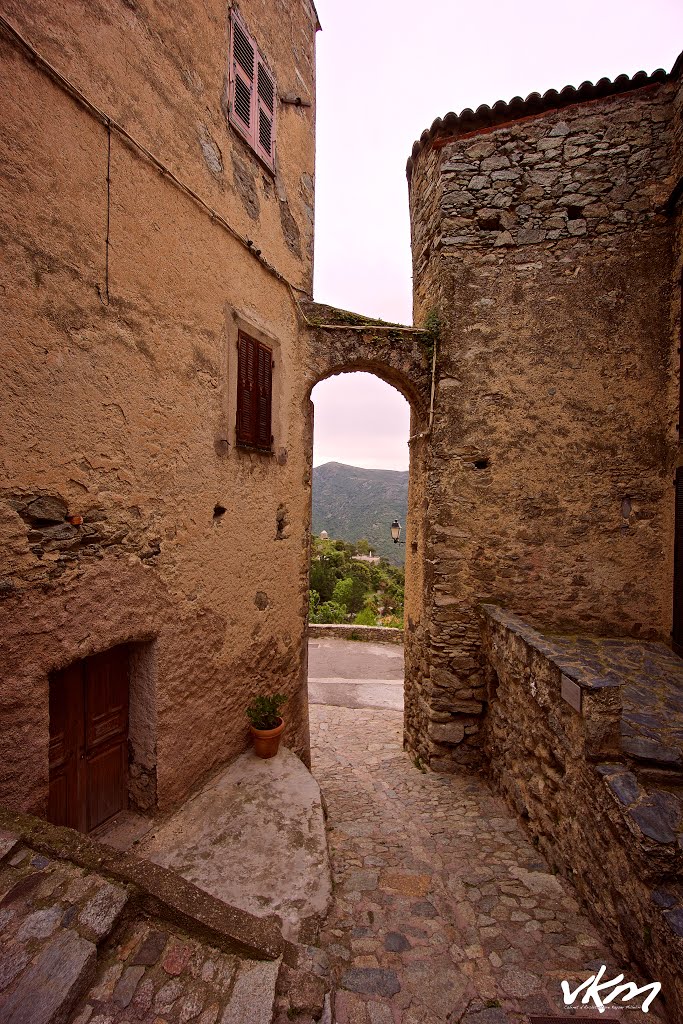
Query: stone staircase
{"points": [[208, 922], [75, 947]]}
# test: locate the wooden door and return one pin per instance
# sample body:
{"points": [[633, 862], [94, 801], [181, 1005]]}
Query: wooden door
{"points": [[89, 740]]}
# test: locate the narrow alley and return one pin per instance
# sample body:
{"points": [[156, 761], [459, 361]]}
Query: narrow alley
{"points": [[443, 911]]}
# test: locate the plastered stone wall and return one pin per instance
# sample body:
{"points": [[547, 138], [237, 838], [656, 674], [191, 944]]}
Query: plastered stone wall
{"points": [[122, 298], [542, 245]]}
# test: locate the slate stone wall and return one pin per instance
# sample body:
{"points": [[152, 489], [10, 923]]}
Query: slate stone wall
{"points": [[542, 246], [562, 770]]}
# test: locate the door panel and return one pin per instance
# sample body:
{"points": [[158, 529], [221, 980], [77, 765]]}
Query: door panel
{"points": [[106, 734], [65, 803]]}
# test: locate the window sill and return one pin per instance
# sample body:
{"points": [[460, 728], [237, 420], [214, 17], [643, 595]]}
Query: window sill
{"points": [[244, 447]]}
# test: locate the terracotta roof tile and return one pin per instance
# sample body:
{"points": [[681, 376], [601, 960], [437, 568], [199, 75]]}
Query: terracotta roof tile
{"points": [[468, 120]]}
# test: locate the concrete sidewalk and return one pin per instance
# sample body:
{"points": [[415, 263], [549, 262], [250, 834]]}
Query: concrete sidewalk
{"points": [[255, 838], [350, 674]]}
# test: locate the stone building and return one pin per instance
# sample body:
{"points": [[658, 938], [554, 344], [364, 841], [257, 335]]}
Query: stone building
{"points": [[547, 245], [157, 206]]}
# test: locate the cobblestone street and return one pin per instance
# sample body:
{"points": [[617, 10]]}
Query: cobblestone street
{"points": [[443, 910]]}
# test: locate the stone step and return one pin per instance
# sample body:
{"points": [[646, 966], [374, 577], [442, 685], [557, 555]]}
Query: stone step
{"points": [[253, 993], [50, 986], [53, 916]]}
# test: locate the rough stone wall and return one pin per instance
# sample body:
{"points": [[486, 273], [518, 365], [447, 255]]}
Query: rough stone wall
{"points": [[676, 214], [549, 463], [369, 634], [122, 298], [556, 766]]}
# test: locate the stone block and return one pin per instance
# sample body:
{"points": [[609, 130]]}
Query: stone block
{"points": [[102, 911], [253, 993], [374, 981], [126, 985], [48, 989], [307, 994], [452, 733]]}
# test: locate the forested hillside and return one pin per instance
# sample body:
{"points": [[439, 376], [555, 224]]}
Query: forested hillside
{"points": [[358, 503]]}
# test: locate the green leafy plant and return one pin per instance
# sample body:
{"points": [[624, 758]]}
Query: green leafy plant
{"points": [[264, 711]]}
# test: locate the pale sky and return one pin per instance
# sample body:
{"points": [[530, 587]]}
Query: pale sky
{"points": [[385, 70]]}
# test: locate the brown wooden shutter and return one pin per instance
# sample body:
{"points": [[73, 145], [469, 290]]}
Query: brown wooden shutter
{"points": [[242, 66], [265, 392], [265, 109], [677, 632], [254, 393], [246, 389]]}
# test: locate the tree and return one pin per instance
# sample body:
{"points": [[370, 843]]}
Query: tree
{"points": [[343, 593], [330, 612]]}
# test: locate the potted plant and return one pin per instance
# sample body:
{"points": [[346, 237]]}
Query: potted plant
{"points": [[266, 723]]}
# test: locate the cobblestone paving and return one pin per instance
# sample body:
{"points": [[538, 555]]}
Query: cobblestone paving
{"points": [[64, 944], [443, 910]]}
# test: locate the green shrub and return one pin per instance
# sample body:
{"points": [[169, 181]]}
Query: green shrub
{"points": [[264, 711]]}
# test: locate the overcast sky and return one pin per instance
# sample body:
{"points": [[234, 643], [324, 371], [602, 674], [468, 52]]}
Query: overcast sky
{"points": [[385, 70]]}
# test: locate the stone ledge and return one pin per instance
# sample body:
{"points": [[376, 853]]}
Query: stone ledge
{"points": [[371, 634], [552, 649], [155, 889]]}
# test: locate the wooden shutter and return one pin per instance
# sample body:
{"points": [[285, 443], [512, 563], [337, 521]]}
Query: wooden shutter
{"points": [[246, 389], [265, 111], [242, 66], [677, 632], [264, 397]]}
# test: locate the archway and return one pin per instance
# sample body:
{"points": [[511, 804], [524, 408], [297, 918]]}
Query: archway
{"points": [[340, 342]]}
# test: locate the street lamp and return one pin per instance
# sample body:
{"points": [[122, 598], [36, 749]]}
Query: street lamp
{"points": [[396, 532]]}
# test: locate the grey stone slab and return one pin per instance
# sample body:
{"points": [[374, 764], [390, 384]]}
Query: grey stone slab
{"points": [[253, 993], [40, 924], [12, 962], [48, 989], [658, 816], [643, 749], [151, 949], [374, 981], [395, 942], [625, 787], [8, 842], [103, 910], [126, 985]]}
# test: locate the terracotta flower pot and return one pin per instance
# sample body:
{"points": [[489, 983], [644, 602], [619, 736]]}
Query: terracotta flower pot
{"points": [[267, 741]]}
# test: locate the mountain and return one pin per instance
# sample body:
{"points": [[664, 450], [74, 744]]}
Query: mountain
{"points": [[352, 503]]}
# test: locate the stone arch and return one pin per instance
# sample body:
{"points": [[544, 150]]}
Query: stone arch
{"points": [[342, 342]]}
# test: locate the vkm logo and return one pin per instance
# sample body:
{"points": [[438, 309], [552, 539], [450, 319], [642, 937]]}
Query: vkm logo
{"points": [[595, 990]]}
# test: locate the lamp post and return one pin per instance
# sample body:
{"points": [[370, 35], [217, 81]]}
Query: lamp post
{"points": [[396, 532]]}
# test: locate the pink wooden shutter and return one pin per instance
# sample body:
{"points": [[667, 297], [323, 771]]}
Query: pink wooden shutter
{"points": [[265, 391], [246, 390], [264, 129], [242, 65]]}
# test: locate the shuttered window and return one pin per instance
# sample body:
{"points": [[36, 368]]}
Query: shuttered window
{"points": [[253, 95], [254, 393]]}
